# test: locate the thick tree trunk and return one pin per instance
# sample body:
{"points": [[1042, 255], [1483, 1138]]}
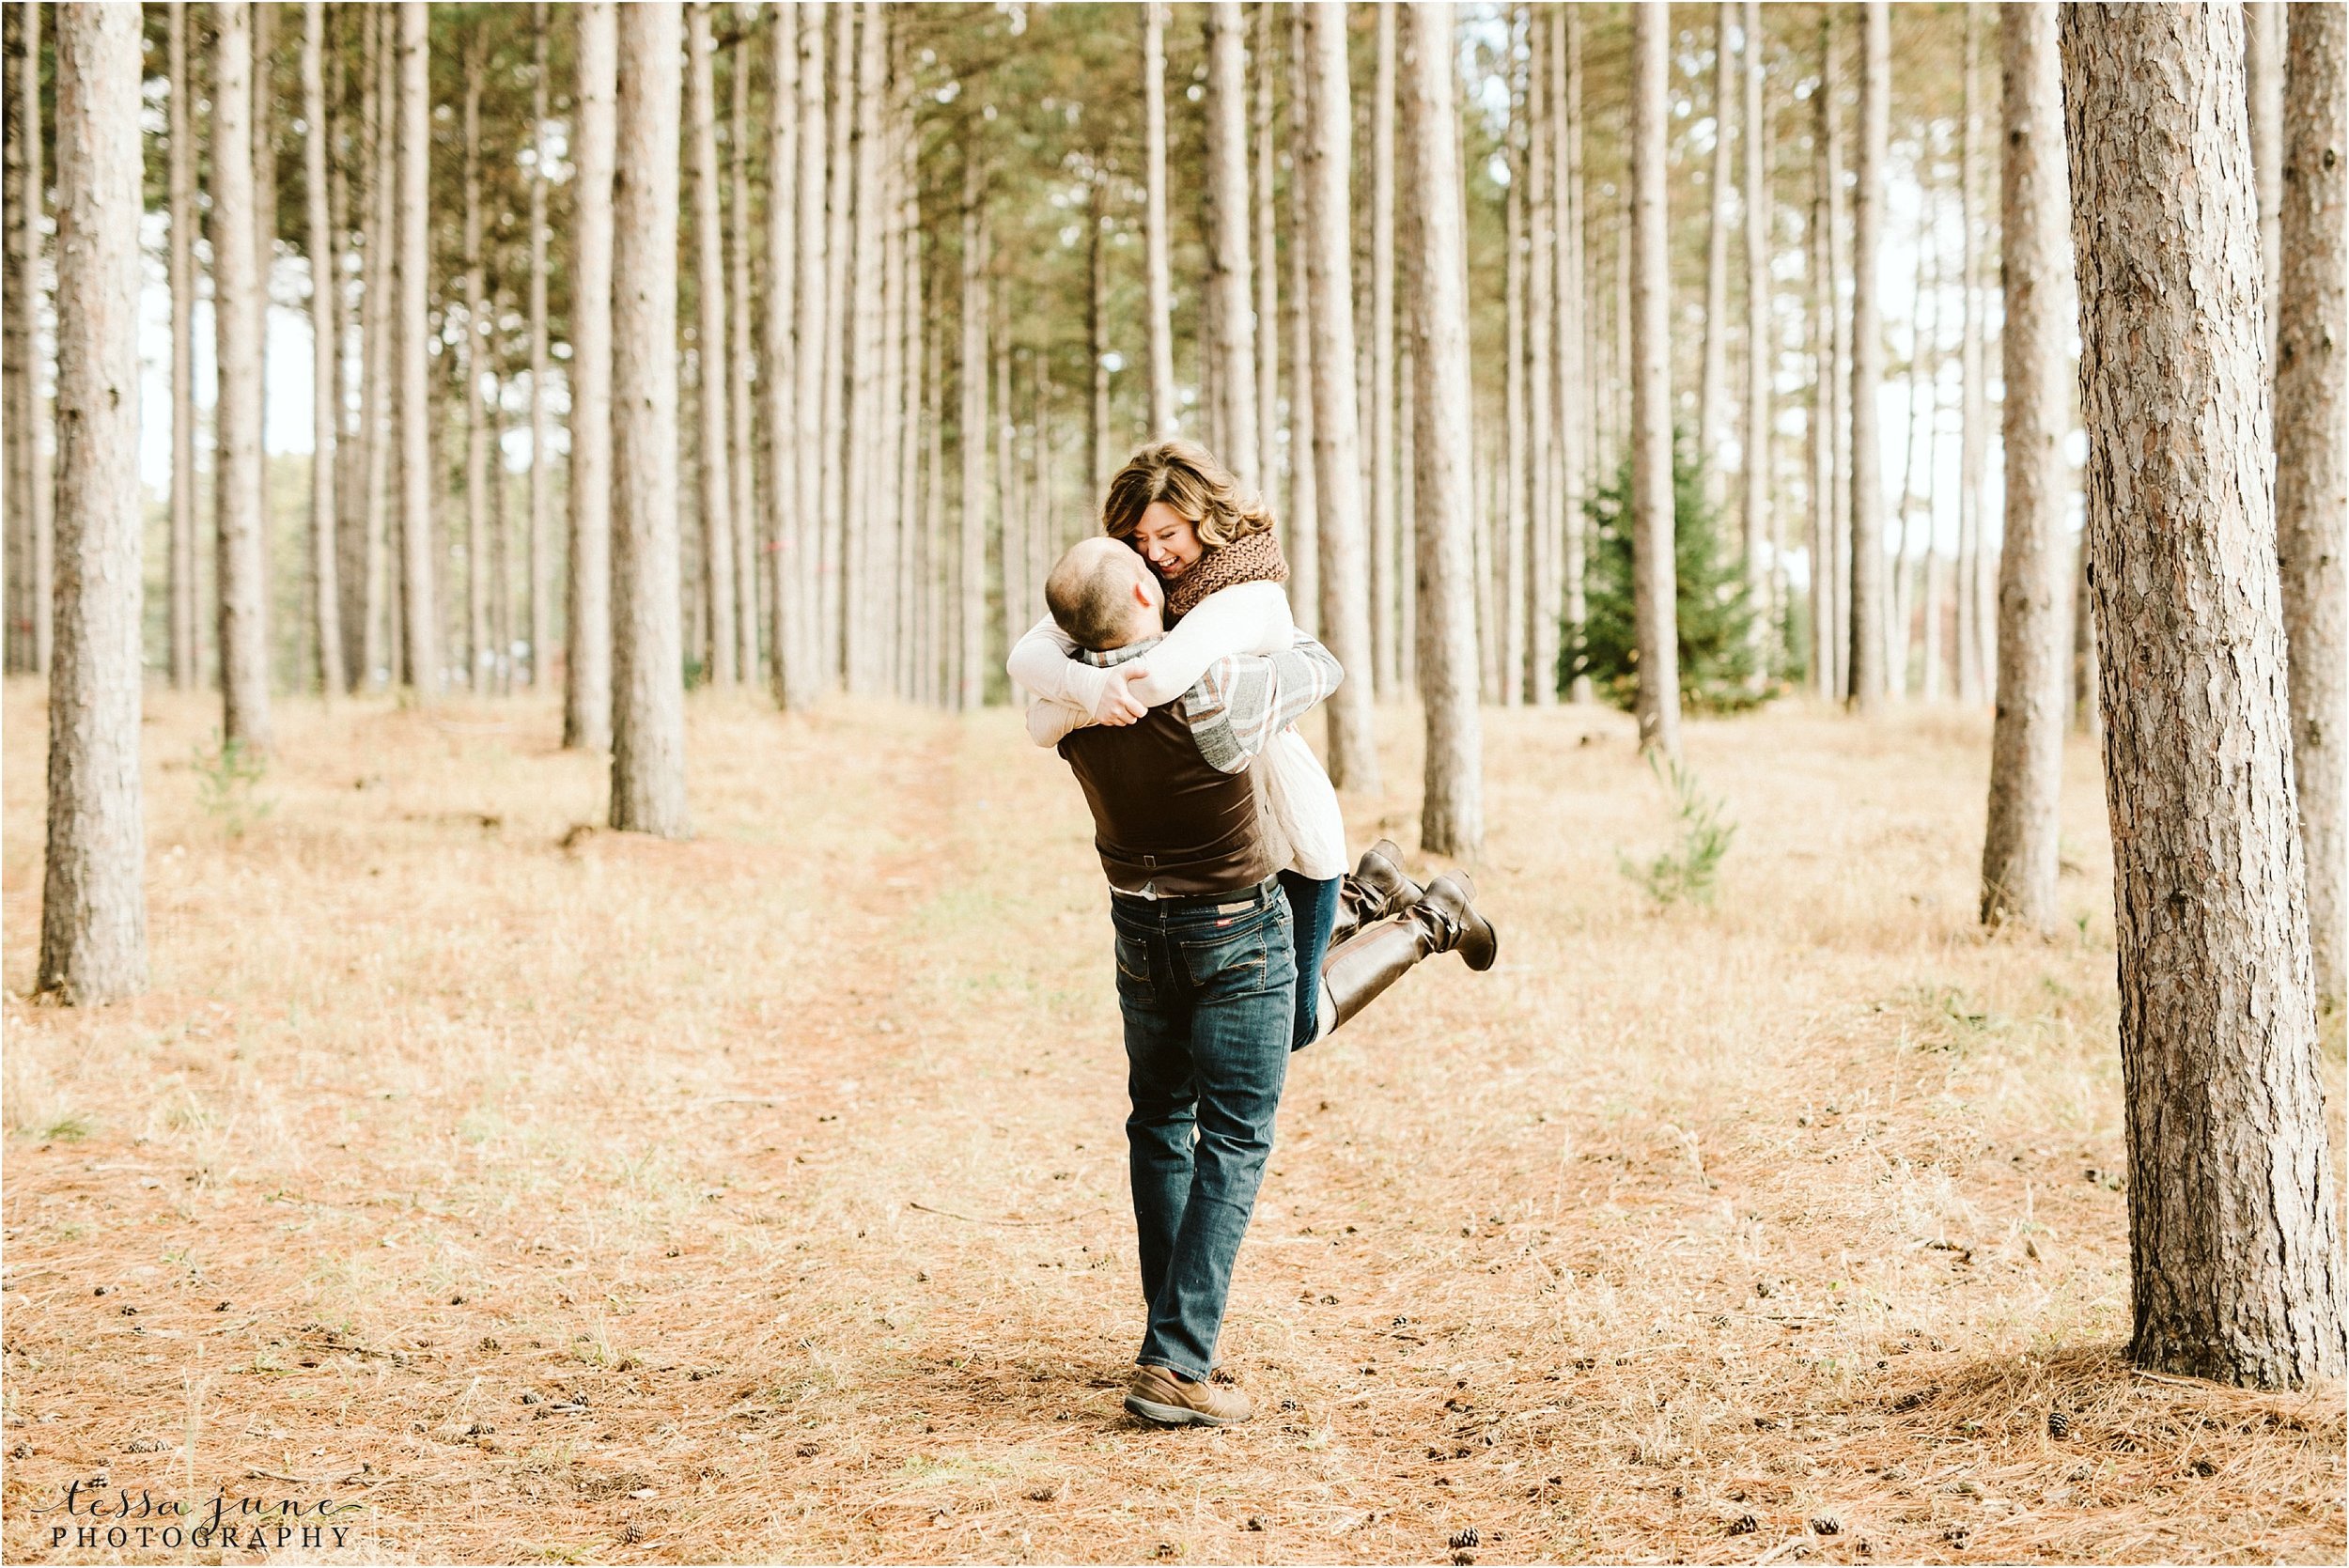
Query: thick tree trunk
{"points": [[237, 507], [1268, 258], [479, 655], [1974, 418], [1763, 554], [326, 399], [1713, 375], [2265, 66], [2019, 855], [1451, 807], [421, 641], [971, 440], [713, 482], [741, 459], [2235, 1267], [182, 552], [809, 542], [778, 368], [1157, 269], [1654, 613], [1229, 274], [1390, 593], [93, 913], [40, 498], [1869, 679], [1304, 538], [647, 645], [1327, 155], [2312, 457], [588, 577], [541, 469]]}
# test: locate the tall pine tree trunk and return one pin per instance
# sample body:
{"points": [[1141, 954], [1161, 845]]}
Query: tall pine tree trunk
{"points": [[1268, 258], [778, 366], [420, 642], [839, 186], [1762, 552], [237, 508], [326, 383], [2312, 456], [1577, 407], [1097, 460], [742, 460], [809, 539], [1654, 613], [2019, 849], [1538, 603], [1713, 374], [181, 570], [1451, 807], [860, 578], [479, 655], [971, 440], [378, 628], [2265, 66], [542, 471], [1390, 591], [1501, 619], [1229, 273], [1869, 679], [588, 577], [1156, 268], [264, 125], [648, 644], [1327, 155], [713, 482], [93, 914], [2235, 1268]]}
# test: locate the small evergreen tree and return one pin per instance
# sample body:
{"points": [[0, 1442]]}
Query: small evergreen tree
{"points": [[1717, 652]]}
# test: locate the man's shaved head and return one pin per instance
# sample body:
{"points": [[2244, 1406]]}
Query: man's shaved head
{"points": [[1090, 592]]}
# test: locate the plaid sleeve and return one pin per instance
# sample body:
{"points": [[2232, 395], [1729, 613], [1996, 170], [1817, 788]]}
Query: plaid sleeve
{"points": [[1244, 699]]}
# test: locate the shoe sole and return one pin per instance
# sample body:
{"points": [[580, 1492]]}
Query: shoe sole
{"points": [[1173, 1415]]}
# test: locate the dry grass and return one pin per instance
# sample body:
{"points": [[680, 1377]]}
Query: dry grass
{"points": [[578, 1197]]}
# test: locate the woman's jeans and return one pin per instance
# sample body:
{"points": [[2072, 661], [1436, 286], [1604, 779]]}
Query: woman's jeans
{"points": [[1313, 910], [1206, 985]]}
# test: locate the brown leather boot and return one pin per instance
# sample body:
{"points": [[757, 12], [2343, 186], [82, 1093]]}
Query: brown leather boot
{"points": [[1451, 899], [1376, 889], [1444, 918], [1157, 1394]]}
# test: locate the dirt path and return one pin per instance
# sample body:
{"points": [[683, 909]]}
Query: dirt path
{"points": [[556, 1194]]}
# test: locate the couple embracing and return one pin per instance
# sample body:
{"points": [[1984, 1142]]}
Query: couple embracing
{"points": [[1170, 676]]}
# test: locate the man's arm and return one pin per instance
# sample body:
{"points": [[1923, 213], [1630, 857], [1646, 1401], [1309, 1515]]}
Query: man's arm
{"points": [[1244, 699]]}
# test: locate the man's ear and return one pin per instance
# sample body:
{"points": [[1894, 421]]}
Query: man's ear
{"points": [[1141, 594]]}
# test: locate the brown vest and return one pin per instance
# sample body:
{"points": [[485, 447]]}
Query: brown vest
{"points": [[1160, 815]]}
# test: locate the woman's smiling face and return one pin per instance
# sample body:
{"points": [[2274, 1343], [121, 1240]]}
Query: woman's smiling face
{"points": [[1167, 541]]}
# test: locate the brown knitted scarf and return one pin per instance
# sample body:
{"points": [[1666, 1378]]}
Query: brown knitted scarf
{"points": [[1254, 559]]}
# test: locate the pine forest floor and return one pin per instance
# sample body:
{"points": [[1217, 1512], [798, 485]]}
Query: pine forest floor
{"points": [[554, 1195]]}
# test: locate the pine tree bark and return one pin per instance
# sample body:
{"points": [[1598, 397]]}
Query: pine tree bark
{"points": [[1826, 599], [1452, 805], [93, 914], [1303, 538], [1011, 529], [181, 570], [1836, 271], [648, 643], [1713, 374], [326, 399], [2019, 847], [1328, 161], [2312, 457], [1762, 552], [542, 621], [237, 412], [587, 503], [479, 655], [741, 455], [839, 186], [1538, 602], [265, 267], [713, 483], [1097, 461], [378, 630], [1389, 589], [1157, 269], [971, 440], [861, 575], [810, 537], [1655, 612], [1229, 272], [420, 657], [1974, 419], [1576, 405], [1868, 676], [778, 370], [1501, 618], [2235, 1263]]}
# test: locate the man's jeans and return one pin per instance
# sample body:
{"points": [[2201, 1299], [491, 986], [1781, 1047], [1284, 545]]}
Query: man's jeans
{"points": [[1207, 986]]}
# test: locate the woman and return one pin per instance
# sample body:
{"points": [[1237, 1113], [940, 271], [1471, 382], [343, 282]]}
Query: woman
{"points": [[1211, 545]]}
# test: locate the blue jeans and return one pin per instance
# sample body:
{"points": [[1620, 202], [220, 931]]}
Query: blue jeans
{"points": [[1313, 908], [1206, 985]]}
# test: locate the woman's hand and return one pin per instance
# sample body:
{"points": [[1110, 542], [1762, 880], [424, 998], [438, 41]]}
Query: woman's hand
{"points": [[1117, 704]]}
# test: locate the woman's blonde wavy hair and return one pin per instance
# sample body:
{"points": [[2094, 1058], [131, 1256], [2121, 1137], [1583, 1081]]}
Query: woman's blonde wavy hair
{"points": [[1186, 476]]}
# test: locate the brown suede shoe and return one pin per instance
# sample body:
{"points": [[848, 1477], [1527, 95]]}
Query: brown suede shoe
{"points": [[1157, 1394]]}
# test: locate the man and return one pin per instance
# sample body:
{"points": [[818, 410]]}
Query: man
{"points": [[1205, 961]]}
